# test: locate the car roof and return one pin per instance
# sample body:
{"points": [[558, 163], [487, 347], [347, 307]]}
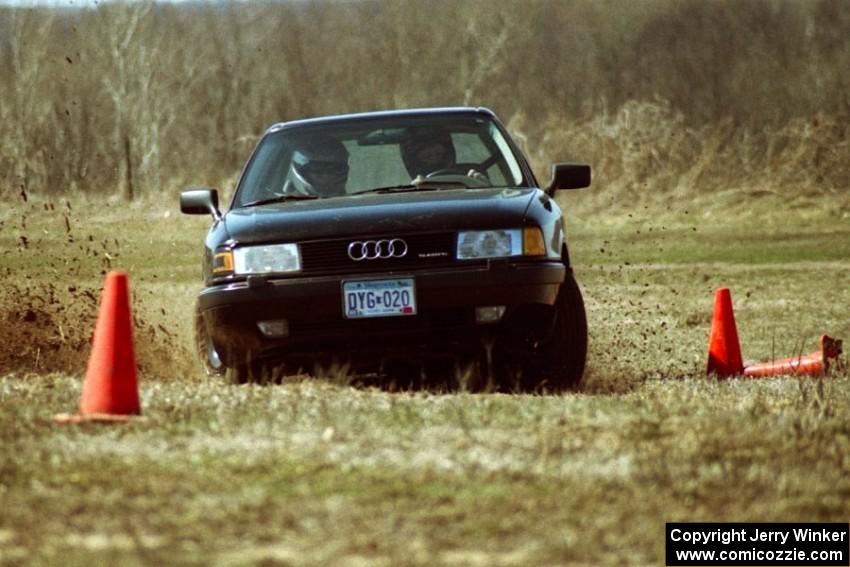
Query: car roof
{"points": [[414, 112]]}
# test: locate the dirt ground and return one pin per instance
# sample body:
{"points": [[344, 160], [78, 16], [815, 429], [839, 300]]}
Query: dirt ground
{"points": [[49, 304], [48, 328]]}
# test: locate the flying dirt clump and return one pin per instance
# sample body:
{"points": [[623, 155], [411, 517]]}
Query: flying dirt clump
{"points": [[45, 328], [49, 305], [48, 328]]}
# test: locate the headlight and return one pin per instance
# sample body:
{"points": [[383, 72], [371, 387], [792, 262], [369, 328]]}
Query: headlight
{"points": [[500, 243], [489, 244], [267, 259]]}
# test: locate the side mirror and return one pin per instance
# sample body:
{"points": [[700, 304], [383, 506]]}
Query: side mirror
{"points": [[569, 176], [200, 202]]}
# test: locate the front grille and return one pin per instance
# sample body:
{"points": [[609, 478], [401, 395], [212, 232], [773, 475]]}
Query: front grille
{"points": [[424, 251]]}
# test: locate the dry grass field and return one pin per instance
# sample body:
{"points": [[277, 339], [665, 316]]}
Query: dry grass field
{"points": [[719, 134], [318, 471]]}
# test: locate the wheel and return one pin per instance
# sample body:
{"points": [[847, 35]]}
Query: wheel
{"points": [[561, 356], [545, 350], [211, 363]]}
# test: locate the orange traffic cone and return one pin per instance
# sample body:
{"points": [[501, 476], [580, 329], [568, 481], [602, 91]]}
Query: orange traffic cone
{"points": [[110, 390], [724, 350], [814, 364]]}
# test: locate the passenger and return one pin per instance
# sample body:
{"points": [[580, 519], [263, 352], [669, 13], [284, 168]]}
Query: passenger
{"points": [[318, 168], [428, 150]]}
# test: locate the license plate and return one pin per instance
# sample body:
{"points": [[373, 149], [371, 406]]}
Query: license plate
{"points": [[378, 298]]}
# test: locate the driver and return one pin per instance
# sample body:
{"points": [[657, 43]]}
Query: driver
{"points": [[318, 168], [428, 150]]}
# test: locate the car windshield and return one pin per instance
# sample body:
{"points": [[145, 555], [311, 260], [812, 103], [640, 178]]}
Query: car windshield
{"points": [[332, 159]]}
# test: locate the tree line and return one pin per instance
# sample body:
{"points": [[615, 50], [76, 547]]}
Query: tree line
{"points": [[140, 97]]}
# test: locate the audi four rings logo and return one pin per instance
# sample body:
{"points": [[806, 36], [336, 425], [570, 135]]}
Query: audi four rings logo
{"points": [[377, 249]]}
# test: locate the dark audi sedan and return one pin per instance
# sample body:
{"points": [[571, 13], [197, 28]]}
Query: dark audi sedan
{"points": [[392, 242]]}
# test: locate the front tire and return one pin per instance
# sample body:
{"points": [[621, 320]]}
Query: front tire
{"points": [[249, 371], [563, 354], [545, 349], [205, 350]]}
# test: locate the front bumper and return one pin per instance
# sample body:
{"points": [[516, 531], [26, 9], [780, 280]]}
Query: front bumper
{"points": [[446, 299]]}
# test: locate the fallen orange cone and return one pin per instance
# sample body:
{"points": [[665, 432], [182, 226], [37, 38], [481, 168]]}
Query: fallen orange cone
{"points": [[724, 350], [814, 364], [110, 390]]}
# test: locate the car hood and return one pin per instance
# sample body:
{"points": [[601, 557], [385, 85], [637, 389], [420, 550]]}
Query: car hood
{"points": [[380, 214]]}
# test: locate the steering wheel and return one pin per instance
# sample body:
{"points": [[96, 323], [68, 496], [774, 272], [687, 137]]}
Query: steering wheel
{"points": [[455, 170], [466, 174]]}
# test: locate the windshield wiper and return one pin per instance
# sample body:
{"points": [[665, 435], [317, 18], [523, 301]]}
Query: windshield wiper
{"points": [[394, 189], [423, 186], [280, 199]]}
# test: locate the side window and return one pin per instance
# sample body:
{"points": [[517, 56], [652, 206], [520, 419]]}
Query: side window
{"points": [[471, 149], [497, 178], [267, 171]]}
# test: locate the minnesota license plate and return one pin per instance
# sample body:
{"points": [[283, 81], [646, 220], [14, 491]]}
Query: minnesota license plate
{"points": [[378, 298]]}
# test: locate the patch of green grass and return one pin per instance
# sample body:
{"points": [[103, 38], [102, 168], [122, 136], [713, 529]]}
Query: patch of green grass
{"points": [[659, 242]]}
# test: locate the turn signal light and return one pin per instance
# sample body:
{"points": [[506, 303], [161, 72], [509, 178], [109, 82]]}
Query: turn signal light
{"points": [[223, 262], [532, 242]]}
